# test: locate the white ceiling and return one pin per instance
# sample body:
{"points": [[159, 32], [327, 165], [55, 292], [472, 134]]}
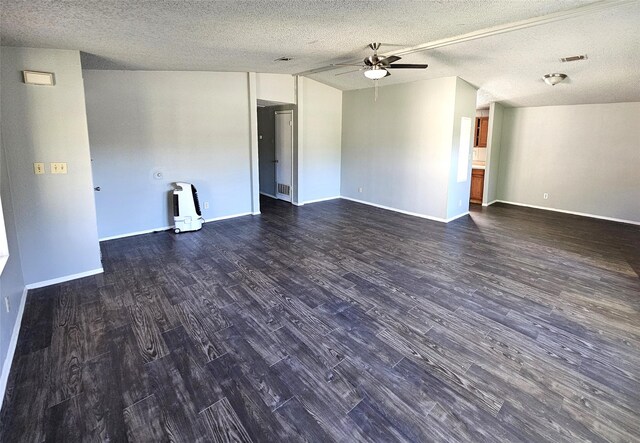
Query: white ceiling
{"points": [[249, 35]]}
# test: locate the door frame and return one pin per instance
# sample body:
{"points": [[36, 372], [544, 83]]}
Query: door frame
{"points": [[291, 190]]}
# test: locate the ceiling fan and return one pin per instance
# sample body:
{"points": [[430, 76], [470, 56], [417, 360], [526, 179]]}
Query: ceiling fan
{"points": [[376, 67]]}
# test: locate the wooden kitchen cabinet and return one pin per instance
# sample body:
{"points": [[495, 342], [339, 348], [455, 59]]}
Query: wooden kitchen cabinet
{"points": [[482, 130], [477, 186]]}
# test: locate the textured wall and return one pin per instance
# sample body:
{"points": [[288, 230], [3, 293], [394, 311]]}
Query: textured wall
{"points": [[587, 158], [55, 214], [398, 149], [321, 137], [458, 192], [494, 147], [191, 126], [275, 87]]}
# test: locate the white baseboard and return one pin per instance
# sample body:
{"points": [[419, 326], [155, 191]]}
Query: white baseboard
{"points": [[582, 214], [165, 228], [268, 195], [225, 217], [455, 217], [131, 234], [318, 200], [13, 343], [490, 203], [401, 211], [54, 281]]}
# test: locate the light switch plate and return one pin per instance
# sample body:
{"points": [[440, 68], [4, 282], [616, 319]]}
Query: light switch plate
{"points": [[38, 168], [58, 168]]}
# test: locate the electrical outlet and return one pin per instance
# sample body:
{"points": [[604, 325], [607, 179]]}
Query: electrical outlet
{"points": [[545, 196], [206, 205], [7, 304], [38, 168], [360, 190]]}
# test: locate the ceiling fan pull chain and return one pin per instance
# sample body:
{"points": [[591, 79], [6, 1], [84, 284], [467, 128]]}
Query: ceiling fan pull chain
{"points": [[375, 89]]}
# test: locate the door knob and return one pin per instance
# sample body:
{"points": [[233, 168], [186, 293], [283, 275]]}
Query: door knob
{"points": [[97, 188]]}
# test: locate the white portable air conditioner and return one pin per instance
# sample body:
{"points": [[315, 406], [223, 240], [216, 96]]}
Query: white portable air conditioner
{"points": [[186, 208]]}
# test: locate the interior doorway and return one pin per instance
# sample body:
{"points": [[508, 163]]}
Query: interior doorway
{"points": [[284, 154], [480, 142], [276, 145]]}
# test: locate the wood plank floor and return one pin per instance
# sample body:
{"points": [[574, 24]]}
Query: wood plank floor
{"points": [[341, 322]]}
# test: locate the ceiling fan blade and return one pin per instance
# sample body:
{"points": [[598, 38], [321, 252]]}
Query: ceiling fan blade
{"points": [[349, 72], [388, 74], [406, 66], [347, 64], [390, 59]]}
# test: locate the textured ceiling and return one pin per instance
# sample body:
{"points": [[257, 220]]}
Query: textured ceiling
{"points": [[508, 68], [249, 35]]}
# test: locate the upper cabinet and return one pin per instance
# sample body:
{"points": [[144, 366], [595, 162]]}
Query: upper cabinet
{"points": [[482, 129]]}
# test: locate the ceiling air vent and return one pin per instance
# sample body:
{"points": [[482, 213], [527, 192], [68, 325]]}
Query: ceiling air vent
{"points": [[574, 58]]}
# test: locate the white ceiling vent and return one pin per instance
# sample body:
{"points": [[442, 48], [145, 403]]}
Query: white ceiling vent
{"points": [[573, 58]]}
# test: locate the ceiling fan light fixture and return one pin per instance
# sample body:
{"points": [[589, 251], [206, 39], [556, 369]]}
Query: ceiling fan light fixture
{"points": [[554, 79], [375, 73]]}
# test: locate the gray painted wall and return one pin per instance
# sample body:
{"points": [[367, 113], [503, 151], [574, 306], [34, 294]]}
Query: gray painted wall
{"points": [[587, 158], [276, 88], [322, 140], [458, 192], [11, 280], [55, 214], [398, 149], [494, 147], [191, 126]]}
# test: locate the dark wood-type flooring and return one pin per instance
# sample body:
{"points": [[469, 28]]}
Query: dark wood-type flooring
{"points": [[341, 322]]}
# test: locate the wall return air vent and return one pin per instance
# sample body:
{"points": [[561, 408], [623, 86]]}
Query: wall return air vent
{"points": [[38, 78], [284, 189]]}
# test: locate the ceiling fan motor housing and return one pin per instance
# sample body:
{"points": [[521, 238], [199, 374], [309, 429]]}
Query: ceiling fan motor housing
{"points": [[376, 67], [372, 60]]}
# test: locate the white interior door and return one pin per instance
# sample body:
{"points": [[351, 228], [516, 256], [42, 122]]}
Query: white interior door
{"points": [[284, 154]]}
